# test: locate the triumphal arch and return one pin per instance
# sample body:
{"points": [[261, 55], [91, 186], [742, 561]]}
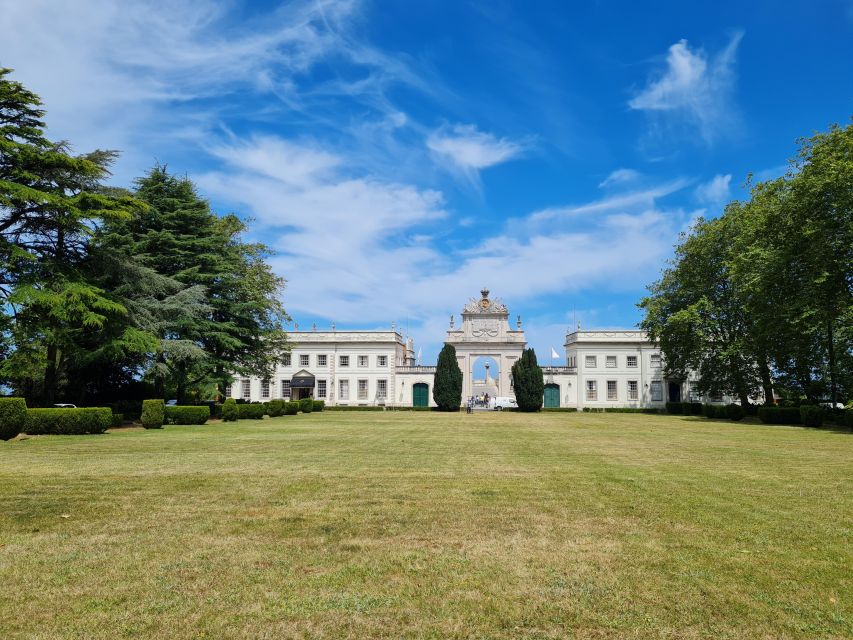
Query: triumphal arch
{"points": [[485, 332]]}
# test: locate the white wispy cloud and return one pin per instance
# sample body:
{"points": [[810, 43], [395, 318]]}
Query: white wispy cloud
{"points": [[620, 177], [470, 150], [715, 191], [694, 88]]}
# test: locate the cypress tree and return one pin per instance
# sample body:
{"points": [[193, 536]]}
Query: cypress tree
{"points": [[528, 382], [447, 388]]}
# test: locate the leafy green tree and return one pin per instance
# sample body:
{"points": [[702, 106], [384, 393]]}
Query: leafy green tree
{"points": [[696, 314], [447, 388], [50, 203], [528, 382], [236, 326]]}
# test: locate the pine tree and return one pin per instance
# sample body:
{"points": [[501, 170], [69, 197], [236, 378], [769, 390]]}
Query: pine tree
{"points": [[50, 204], [528, 382], [447, 388]]}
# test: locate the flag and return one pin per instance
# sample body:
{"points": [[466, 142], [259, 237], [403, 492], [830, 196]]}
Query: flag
{"points": [[419, 355], [554, 354]]}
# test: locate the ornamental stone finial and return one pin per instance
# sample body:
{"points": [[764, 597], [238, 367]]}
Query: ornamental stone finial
{"points": [[451, 321], [518, 322], [485, 293], [333, 326]]}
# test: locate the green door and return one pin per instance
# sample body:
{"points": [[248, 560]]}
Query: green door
{"points": [[552, 396], [420, 395]]}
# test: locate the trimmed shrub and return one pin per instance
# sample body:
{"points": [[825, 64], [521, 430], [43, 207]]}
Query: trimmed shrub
{"points": [[118, 419], [447, 385], [847, 419], [68, 421], [750, 409], [811, 416], [187, 415], [714, 411], [275, 408], [674, 408], [253, 411], [734, 412], [779, 415], [153, 413], [306, 405], [529, 384], [291, 408], [230, 410], [693, 408], [561, 410], [319, 405], [13, 417]]}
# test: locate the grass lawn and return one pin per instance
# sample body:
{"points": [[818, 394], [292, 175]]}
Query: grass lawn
{"points": [[424, 525]]}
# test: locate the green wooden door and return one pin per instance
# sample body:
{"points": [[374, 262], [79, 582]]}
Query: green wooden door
{"points": [[420, 395], [552, 396]]}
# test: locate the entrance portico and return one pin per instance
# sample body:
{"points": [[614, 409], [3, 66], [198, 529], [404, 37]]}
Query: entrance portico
{"points": [[485, 332]]}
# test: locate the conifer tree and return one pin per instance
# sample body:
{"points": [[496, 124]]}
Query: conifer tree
{"points": [[528, 382], [447, 388]]}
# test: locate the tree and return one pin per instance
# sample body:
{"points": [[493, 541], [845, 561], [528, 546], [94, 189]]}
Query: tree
{"points": [[447, 388], [236, 326], [528, 382], [697, 314], [50, 204]]}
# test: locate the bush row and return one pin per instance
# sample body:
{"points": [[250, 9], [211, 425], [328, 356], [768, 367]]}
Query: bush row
{"points": [[187, 414], [684, 408], [616, 410], [68, 421]]}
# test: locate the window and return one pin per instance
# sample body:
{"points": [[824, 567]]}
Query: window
{"points": [[633, 390], [227, 390], [382, 389], [610, 362], [656, 360], [591, 390], [382, 361], [362, 389], [590, 362], [343, 361], [285, 360], [631, 362], [285, 388], [695, 396], [245, 389], [321, 360], [321, 388], [362, 361], [265, 388], [304, 360], [611, 389], [657, 391], [343, 389]]}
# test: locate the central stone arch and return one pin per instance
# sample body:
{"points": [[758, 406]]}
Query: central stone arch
{"points": [[485, 332]]}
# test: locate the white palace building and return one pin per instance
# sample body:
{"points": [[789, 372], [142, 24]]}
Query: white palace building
{"points": [[613, 368]]}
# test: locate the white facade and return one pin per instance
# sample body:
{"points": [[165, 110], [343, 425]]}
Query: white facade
{"points": [[618, 368]]}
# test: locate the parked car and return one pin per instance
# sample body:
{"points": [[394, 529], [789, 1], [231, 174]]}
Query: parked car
{"points": [[65, 406], [502, 402], [171, 403]]}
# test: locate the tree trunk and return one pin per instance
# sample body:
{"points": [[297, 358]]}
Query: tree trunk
{"points": [[49, 392], [833, 391], [766, 381]]}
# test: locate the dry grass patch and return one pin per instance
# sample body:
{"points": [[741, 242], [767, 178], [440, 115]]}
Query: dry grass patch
{"points": [[422, 525]]}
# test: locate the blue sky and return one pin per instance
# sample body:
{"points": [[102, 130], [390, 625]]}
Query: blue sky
{"points": [[398, 156]]}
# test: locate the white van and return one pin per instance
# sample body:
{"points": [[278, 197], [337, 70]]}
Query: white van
{"points": [[502, 402]]}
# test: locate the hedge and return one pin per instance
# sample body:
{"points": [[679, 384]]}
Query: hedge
{"points": [[560, 409], [230, 410], [714, 411], [291, 407], [187, 414], [734, 412], [674, 407], [251, 411], [779, 415], [153, 413], [275, 408], [811, 416], [68, 421], [306, 405], [319, 405], [612, 410], [360, 408], [13, 416]]}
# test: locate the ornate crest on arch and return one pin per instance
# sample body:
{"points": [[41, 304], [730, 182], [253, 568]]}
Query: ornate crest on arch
{"points": [[485, 304]]}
